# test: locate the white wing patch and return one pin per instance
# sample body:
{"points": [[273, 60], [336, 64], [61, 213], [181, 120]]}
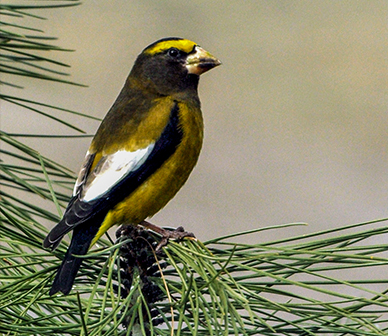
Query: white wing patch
{"points": [[111, 169], [82, 173]]}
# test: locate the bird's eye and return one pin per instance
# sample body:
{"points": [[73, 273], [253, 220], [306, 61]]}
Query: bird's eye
{"points": [[173, 52]]}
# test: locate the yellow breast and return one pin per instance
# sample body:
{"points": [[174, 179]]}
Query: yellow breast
{"points": [[161, 187]]}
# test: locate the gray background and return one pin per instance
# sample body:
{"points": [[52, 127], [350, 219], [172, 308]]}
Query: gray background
{"points": [[295, 118]]}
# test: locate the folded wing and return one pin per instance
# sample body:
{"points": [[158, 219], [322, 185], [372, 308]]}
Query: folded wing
{"points": [[113, 178]]}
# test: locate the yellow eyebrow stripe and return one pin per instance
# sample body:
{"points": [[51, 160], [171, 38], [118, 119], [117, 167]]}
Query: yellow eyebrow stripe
{"points": [[184, 45]]}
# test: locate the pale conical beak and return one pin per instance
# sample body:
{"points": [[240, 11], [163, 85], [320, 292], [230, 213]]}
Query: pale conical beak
{"points": [[200, 61]]}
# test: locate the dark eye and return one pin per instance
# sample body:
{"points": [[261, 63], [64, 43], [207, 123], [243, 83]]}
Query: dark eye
{"points": [[173, 52]]}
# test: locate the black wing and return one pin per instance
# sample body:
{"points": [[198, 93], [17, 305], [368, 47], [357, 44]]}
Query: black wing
{"points": [[79, 211]]}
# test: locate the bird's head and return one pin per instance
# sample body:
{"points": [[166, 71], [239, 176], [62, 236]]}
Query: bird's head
{"points": [[172, 65]]}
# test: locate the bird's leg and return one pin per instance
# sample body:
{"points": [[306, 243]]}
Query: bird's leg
{"points": [[178, 233]]}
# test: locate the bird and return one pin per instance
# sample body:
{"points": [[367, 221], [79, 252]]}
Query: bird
{"points": [[142, 153]]}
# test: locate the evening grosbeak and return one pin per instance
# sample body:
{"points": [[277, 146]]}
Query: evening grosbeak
{"points": [[142, 153]]}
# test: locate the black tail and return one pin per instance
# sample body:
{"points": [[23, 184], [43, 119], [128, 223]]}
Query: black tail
{"points": [[66, 274], [80, 243]]}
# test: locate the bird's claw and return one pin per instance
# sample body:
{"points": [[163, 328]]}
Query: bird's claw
{"points": [[178, 234]]}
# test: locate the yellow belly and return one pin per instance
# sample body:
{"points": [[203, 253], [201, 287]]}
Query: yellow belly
{"points": [[154, 193]]}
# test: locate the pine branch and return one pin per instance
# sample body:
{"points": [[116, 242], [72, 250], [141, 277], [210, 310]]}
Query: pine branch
{"points": [[294, 286]]}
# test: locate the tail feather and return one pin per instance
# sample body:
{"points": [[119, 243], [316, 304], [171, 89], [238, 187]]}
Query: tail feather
{"points": [[67, 271], [66, 274]]}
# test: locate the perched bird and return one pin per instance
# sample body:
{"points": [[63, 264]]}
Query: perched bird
{"points": [[142, 153]]}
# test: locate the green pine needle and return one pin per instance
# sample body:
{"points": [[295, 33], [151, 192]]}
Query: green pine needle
{"points": [[293, 286]]}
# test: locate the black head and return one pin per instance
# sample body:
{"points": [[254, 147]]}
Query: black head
{"points": [[172, 65]]}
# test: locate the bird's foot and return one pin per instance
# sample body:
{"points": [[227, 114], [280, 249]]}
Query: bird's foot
{"points": [[179, 233]]}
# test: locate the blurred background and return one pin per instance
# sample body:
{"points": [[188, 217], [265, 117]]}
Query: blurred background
{"points": [[295, 118]]}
